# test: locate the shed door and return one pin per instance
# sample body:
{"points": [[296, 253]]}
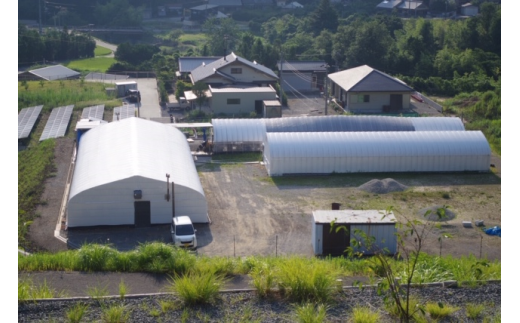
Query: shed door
{"points": [[142, 214], [396, 101], [335, 243], [259, 106]]}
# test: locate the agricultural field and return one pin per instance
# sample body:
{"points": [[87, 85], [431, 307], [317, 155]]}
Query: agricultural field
{"points": [[95, 64]]}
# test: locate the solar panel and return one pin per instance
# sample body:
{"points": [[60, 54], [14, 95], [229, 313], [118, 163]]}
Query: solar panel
{"points": [[57, 124], [126, 111], [95, 112], [26, 120]]}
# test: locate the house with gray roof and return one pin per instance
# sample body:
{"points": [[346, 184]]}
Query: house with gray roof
{"points": [[236, 85], [364, 89], [405, 7], [227, 5], [302, 76], [49, 73], [233, 69], [188, 64]]}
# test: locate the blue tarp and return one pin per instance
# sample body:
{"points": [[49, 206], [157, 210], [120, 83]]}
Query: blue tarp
{"points": [[494, 231]]}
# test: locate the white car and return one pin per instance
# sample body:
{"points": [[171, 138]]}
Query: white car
{"points": [[183, 232]]}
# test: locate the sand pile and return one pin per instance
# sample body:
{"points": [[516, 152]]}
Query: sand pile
{"points": [[384, 186]]}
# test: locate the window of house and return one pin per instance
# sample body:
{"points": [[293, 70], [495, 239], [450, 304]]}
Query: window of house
{"points": [[236, 70], [363, 98], [233, 101]]}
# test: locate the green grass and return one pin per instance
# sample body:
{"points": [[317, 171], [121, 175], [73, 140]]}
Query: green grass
{"points": [[28, 290], [365, 315], [192, 39], [474, 311], [76, 312], [116, 314], [197, 288], [34, 167], [310, 313], [54, 94], [439, 311], [238, 157], [102, 51], [95, 64]]}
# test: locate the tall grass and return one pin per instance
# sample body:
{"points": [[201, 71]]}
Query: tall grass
{"points": [[305, 281], [28, 290], [439, 311], [365, 315], [95, 257], [310, 313], [76, 312], [34, 166], [59, 93], [263, 279], [197, 288], [116, 314]]}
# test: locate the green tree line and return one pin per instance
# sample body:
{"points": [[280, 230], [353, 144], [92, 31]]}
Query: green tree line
{"points": [[52, 45]]}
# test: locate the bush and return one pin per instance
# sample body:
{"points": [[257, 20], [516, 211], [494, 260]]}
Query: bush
{"points": [[197, 288]]}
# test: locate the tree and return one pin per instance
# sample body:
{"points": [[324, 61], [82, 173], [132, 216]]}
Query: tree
{"points": [[391, 286], [222, 35], [199, 89], [324, 17]]}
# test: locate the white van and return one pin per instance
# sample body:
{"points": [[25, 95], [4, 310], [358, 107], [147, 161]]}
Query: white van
{"points": [[183, 232]]}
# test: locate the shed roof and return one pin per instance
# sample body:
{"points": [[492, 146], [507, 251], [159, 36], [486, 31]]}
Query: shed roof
{"points": [[56, 72], [314, 66], [226, 3], [129, 148], [213, 68], [367, 79], [389, 4], [242, 89], [354, 216], [204, 7], [188, 64]]}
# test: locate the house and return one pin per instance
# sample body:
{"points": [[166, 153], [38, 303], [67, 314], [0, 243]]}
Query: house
{"points": [[120, 177], [233, 69], [240, 99], [293, 5], [468, 9], [202, 12], [302, 76], [257, 3], [226, 5], [49, 73], [188, 64], [364, 89], [405, 7]]}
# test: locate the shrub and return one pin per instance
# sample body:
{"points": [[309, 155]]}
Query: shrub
{"points": [[439, 310], [95, 257], [310, 313], [75, 313], [263, 279], [473, 311], [365, 315], [115, 314], [197, 288]]}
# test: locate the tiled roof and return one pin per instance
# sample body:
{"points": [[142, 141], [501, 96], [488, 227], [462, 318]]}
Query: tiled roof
{"points": [[367, 79], [303, 66], [203, 72], [188, 64]]}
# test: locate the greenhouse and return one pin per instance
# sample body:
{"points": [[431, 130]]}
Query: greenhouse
{"points": [[351, 152], [249, 134]]}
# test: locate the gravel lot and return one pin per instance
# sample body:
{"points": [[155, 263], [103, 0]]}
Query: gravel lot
{"points": [[247, 307]]}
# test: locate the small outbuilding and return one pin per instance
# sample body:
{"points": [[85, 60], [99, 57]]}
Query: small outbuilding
{"points": [[374, 223], [123, 87], [49, 73], [120, 176]]}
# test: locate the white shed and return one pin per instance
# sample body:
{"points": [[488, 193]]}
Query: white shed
{"points": [[120, 176], [123, 87], [374, 223], [352, 152]]}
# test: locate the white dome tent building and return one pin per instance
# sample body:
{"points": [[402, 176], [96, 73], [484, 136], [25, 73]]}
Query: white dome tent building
{"points": [[120, 176], [353, 152]]}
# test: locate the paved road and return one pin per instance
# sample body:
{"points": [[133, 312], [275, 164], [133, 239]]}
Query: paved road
{"points": [[112, 47]]}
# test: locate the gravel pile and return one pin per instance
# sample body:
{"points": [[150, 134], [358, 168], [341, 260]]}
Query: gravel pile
{"points": [[384, 186], [246, 306]]}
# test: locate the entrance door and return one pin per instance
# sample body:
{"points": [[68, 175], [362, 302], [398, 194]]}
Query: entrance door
{"points": [[396, 101], [259, 106], [335, 243], [142, 214]]}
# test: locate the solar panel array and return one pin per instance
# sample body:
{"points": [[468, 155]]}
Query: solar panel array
{"points": [[95, 112], [26, 120], [58, 122], [126, 111]]}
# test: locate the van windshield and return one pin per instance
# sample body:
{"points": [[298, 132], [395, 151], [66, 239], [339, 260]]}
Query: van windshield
{"points": [[184, 230]]}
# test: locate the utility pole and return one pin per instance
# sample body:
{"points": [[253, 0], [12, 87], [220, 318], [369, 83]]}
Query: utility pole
{"points": [[281, 73], [40, 14], [326, 90]]}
